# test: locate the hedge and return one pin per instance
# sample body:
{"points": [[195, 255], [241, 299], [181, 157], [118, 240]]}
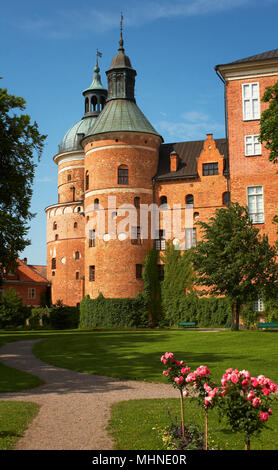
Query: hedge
{"points": [[113, 313]]}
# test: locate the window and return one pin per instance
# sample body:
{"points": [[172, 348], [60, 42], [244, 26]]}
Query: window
{"points": [[53, 273], [69, 177], [96, 204], [139, 271], [258, 305], [136, 235], [252, 145], [163, 200], [87, 180], [255, 202], [190, 238], [189, 200], [77, 255], [210, 169], [160, 268], [75, 225], [160, 241], [251, 101], [31, 293], [53, 263], [92, 273], [92, 238], [77, 275], [122, 174], [137, 202], [54, 225]]}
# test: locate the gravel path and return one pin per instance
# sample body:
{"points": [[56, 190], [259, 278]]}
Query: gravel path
{"points": [[75, 407]]}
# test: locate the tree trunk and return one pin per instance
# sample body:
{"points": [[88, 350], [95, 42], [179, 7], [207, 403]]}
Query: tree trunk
{"points": [[182, 412], [235, 316], [206, 429]]}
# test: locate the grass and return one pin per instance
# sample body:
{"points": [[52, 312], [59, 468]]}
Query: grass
{"points": [[14, 420], [135, 355], [134, 426]]}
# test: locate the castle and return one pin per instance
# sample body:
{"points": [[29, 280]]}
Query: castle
{"points": [[113, 162]]}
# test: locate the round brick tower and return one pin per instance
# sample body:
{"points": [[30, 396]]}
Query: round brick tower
{"points": [[121, 158], [65, 219]]}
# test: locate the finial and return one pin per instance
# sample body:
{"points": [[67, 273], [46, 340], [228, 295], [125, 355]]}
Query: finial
{"points": [[121, 41], [98, 54]]}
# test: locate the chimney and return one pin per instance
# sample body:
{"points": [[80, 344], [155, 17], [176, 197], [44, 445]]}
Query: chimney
{"points": [[174, 161], [25, 260]]}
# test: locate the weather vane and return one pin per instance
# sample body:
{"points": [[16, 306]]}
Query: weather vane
{"points": [[121, 23]]}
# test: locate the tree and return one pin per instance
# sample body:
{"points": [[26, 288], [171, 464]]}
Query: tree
{"points": [[269, 122], [18, 140], [234, 261], [152, 288], [178, 278]]}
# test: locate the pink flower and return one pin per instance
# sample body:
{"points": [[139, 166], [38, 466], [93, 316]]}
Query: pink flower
{"points": [[245, 373], [185, 370], [208, 401], [191, 377], [245, 383], [185, 393], [234, 378], [269, 411], [254, 382], [250, 396], [264, 416], [256, 402], [178, 380], [202, 370], [266, 391], [165, 372]]}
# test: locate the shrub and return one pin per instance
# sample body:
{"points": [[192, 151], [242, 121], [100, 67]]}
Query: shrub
{"points": [[39, 317], [113, 313], [13, 312], [271, 310], [63, 317]]}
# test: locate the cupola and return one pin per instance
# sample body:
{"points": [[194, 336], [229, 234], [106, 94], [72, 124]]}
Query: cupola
{"points": [[95, 95]]}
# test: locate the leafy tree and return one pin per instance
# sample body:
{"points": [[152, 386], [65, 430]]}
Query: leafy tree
{"points": [[269, 122], [178, 279], [12, 310], [234, 261], [152, 287], [18, 140]]}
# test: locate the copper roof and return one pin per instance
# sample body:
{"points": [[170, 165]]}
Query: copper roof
{"points": [[188, 153]]}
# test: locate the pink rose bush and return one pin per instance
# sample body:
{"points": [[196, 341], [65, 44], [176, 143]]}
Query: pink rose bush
{"points": [[244, 401]]}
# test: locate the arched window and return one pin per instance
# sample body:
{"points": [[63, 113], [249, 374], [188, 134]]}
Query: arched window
{"points": [[189, 200], [226, 198], [53, 263], [163, 200], [137, 202], [75, 225], [77, 255], [69, 177], [87, 180], [96, 203], [54, 225], [123, 174], [86, 105], [94, 103], [56, 237]]}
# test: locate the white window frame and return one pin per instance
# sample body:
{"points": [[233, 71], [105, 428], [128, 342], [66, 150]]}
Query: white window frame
{"points": [[252, 141], [256, 217], [190, 238], [252, 116], [31, 293], [258, 305]]}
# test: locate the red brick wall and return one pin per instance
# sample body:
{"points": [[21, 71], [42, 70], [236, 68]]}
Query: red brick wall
{"points": [[252, 170]]}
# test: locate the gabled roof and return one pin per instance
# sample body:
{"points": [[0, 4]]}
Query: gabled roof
{"points": [[28, 274], [188, 153], [273, 54]]}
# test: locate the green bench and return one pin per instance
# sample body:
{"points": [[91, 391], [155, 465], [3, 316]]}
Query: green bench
{"points": [[267, 325], [187, 323]]}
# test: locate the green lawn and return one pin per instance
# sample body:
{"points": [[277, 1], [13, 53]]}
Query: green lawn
{"points": [[134, 425], [14, 420], [136, 355]]}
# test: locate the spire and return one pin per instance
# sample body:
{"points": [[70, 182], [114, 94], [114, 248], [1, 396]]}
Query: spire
{"points": [[121, 41], [95, 95]]}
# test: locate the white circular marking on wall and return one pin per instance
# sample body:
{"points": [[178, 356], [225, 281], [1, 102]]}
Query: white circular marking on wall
{"points": [[176, 242], [63, 260], [122, 236], [106, 237]]}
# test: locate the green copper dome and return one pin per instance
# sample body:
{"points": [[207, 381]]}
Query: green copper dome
{"points": [[72, 138], [121, 115]]}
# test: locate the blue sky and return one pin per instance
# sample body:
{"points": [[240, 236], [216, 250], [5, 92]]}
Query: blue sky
{"points": [[48, 55]]}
